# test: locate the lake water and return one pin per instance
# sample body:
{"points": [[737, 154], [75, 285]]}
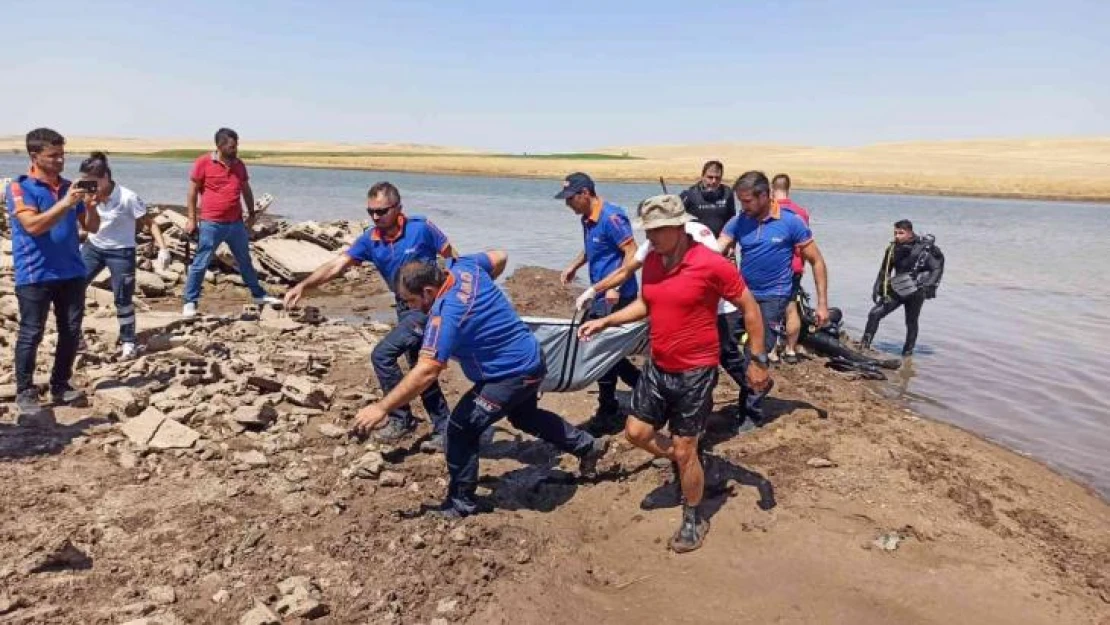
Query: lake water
{"points": [[1014, 347]]}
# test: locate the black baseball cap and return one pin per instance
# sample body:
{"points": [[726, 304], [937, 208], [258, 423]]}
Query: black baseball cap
{"points": [[573, 184]]}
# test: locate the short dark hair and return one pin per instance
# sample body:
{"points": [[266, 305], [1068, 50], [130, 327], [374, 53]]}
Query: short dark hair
{"points": [[904, 224], [755, 181], [386, 190], [223, 134], [417, 275], [781, 182], [96, 165], [39, 138], [718, 165]]}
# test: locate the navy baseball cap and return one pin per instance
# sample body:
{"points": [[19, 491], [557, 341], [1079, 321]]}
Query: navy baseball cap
{"points": [[573, 184]]}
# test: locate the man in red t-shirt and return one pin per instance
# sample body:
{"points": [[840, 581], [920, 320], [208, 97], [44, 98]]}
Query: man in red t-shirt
{"points": [[682, 283], [219, 179], [780, 191]]}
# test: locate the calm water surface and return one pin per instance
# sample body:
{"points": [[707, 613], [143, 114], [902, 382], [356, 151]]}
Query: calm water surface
{"points": [[1015, 346]]}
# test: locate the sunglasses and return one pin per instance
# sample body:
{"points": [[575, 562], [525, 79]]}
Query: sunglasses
{"points": [[380, 212]]}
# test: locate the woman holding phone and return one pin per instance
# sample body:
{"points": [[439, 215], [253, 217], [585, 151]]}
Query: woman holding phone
{"points": [[122, 212]]}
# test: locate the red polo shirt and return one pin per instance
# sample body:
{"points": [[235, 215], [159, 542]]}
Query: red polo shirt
{"points": [[682, 307], [796, 263], [220, 188]]}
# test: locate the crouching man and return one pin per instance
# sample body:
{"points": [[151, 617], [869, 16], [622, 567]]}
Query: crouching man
{"points": [[471, 320], [682, 283]]}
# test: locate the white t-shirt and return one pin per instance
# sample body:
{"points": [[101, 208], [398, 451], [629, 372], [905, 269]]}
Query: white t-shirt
{"points": [[701, 234], [117, 219]]}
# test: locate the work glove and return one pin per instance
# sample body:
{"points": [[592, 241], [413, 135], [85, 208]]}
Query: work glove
{"points": [[585, 299], [163, 260]]}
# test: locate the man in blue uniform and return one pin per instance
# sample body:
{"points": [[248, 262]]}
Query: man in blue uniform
{"points": [[607, 245], [472, 321], [45, 210], [394, 240]]}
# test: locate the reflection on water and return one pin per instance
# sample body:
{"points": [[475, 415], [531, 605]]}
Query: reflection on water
{"points": [[1015, 345]]}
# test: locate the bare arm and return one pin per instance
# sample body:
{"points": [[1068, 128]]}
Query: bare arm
{"points": [[36, 223], [619, 276], [90, 219], [191, 201], [147, 222], [499, 260], [419, 378], [725, 243], [449, 251], [812, 255], [324, 273], [248, 199]]}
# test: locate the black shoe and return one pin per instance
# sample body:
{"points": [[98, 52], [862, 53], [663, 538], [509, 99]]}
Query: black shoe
{"points": [[605, 422], [691, 533], [436, 444], [395, 430], [668, 495], [865, 342], [587, 463], [445, 512], [66, 395], [28, 402]]}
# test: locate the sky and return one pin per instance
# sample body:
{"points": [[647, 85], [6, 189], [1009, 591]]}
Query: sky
{"points": [[556, 76]]}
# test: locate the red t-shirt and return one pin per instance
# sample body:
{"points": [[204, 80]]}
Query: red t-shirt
{"points": [[220, 188], [682, 307], [796, 264]]}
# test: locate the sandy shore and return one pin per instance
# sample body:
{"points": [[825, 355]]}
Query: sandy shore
{"points": [[846, 509], [1064, 169]]}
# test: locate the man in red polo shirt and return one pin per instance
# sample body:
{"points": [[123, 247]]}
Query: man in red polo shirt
{"points": [[780, 191], [219, 179], [682, 283]]}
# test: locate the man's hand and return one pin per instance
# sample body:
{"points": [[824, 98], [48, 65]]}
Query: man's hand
{"points": [[585, 299], [369, 418], [758, 378], [251, 218], [293, 296], [190, 226], [930, 292], [876, 297], [74, 196], [822, 314], [568, 275], [612, 296], [590, 328]]}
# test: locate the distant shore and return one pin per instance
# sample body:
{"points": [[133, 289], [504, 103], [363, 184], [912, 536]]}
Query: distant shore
{"points": [[1034, 169]]}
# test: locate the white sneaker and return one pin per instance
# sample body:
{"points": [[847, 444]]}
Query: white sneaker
{"points": [[128, 351], [190, 310], [268, 300]]}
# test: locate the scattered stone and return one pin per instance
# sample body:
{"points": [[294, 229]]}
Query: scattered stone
{"points": [[820, 463], [253, 458], [53, 552], [127, 459], [161, 595], [391, 479], [887, 541], [459, 536], [289, 584], [259, 615], [254, 416], [331, 430], [368, 466], [306, 393], [440, 621], [301, 604], [522, 556], [165, 618], [297, 474], [184, 571], [417, 541], [149, 284], [173, 435], [120, 400], [221, 596]]}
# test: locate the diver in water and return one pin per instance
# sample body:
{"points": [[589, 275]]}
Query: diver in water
{"points": [[910, 274]]}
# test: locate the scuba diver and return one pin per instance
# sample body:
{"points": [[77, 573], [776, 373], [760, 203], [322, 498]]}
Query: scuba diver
{"points": [[917, 265]]}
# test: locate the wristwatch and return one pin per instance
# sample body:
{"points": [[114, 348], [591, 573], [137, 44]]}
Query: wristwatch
{"points": [[761, 360]]}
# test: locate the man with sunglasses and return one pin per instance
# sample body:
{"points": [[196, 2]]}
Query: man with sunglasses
{"points": [[395, 239], [608, 244]]}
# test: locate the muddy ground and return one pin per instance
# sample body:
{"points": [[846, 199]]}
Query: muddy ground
{"points": [[846, 509]]}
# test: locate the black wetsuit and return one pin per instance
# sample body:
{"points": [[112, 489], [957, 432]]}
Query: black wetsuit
{"points": [[712, 208], [925, 262]]}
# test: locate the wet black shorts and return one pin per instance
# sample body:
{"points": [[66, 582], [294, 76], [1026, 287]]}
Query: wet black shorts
{"points": [[795, 285], [681, 401]]}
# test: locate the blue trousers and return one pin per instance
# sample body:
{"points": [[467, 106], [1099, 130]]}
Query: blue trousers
{"points": [[773, 311], [121, 266], [483, 405], [405, 339], [212, 234]]}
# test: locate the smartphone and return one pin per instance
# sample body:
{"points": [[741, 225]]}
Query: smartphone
{"points": [[89, 186]]}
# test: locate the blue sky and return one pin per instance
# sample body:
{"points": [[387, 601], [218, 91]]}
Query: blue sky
{"points": [[538, 76]]}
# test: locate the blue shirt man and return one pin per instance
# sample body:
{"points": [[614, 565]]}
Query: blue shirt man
{"points": [[44, 211], [607, 245], [395, 239], [767, 249], [471, 321]]}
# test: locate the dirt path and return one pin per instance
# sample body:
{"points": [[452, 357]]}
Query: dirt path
{"points": [[206, 534]]}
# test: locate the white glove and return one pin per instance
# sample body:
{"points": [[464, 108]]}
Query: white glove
{"points": [[585, 299], [164, 259]]}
